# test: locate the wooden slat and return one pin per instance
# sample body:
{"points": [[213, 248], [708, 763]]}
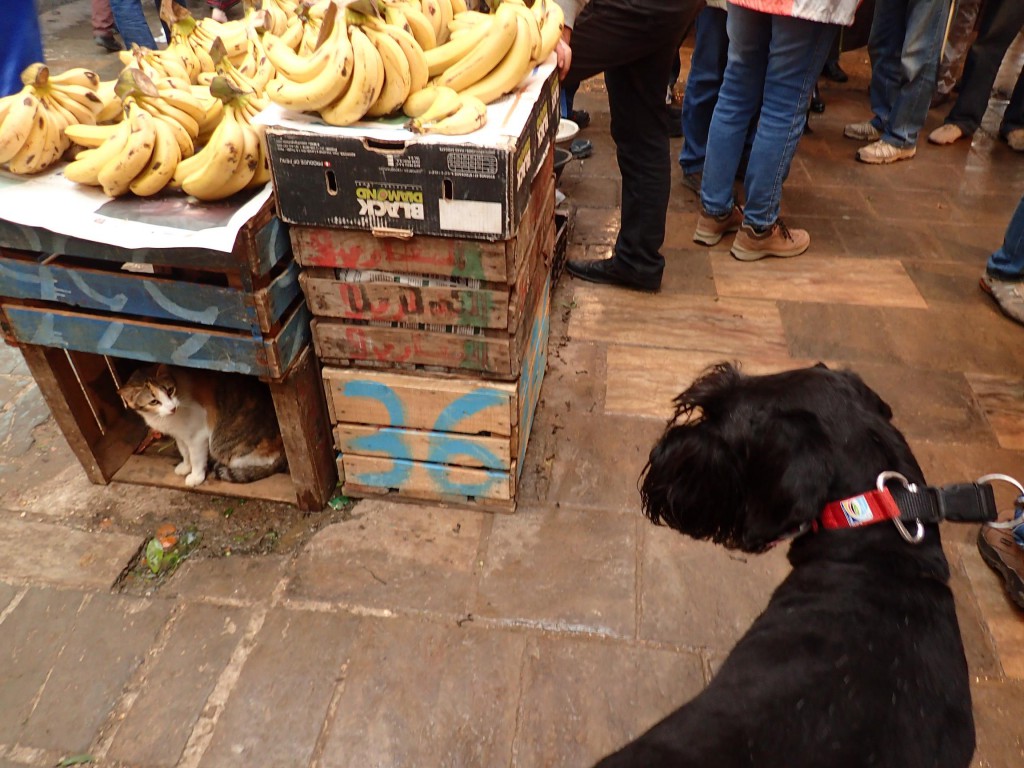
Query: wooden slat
{"points": [[423, 446], [427, 481], [273, 301], [99, 388], [383, 398], [506, 507], [302, 417], [535, 361], [159, 472], [143, 340]]}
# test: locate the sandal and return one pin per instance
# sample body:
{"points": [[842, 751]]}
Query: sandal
{"points": [[1002, 547]]}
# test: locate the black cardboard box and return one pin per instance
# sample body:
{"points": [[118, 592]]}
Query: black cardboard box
{"points": [[380, 177]]}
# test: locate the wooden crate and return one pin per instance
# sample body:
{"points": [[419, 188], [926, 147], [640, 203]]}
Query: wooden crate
{"points": [[241, 311], [81, 391], [442, 438]]}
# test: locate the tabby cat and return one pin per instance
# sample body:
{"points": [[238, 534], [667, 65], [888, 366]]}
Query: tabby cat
{"points": [[222, 420]]}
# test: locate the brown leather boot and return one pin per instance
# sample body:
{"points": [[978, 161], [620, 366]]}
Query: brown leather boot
{"points": [[778, 241], [711, 229]]}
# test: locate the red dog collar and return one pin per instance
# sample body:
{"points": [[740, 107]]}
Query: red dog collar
{"points": [[865, 509]]}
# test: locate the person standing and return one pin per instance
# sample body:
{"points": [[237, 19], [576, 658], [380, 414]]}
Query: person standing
{"points": [[632, 42], [103, 27], [777, 49], [1001, 21], [21, 43], [1004, 274], [904, 46]]}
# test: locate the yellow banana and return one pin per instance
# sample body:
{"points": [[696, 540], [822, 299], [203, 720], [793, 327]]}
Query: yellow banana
{"points": [[532, 28], [250, 161], [79, 94], [447, 14], [363, 90], [292, 66], [472, 116], [112, 108], [418, 72], [323, 89], [420, 101], [459, 6], [162, 162], [90, 136], [292, 35], [455, 50], [17, 125], [85, 169], [5, 105], [217, 162], [445, 104], [486, 55], [397, 75], [80, 113], [432, 10], [77, 76], [510, 70], [185, 143], [420, 26], [157, 106], [117, 174], [550, 31], [184, 101], [262, 173], [38, 147]]}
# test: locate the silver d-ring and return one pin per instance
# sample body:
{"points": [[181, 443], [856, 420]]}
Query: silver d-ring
{"points": [[918, 534], [884, 477], [910, 538], [1005, 478]]}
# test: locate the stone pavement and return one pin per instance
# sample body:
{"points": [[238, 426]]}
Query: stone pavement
{"points": [[410, 635]]}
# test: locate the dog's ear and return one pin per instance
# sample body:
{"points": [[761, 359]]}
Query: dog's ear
{"points": [[692, 483], [786, 479]]}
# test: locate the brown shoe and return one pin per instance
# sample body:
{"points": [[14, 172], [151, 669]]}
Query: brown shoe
{"points": [[778, 241], [711, 229]]}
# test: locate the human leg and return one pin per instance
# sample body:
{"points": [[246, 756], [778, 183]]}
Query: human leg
{"points": [[102, 17], [707, 67], [885, 44], [1012, 127], [1007, 263], [796, 55], [919, 60], [738, 99], [131, 23]]}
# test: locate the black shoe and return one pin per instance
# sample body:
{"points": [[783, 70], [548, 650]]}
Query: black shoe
{"points": [[834, 72], [581, 117], [108, 41], [610, 272], [817, 103]]}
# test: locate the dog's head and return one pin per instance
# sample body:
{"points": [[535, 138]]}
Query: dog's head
{"points": [[748, 459]]}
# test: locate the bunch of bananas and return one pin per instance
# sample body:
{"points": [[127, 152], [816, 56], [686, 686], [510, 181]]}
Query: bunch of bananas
{"points": [[191, 39], [439, 109], [34, 120], [234, 158], [255, 83]]}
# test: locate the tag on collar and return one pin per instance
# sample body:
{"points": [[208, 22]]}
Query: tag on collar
{"points": [[856, 511]]}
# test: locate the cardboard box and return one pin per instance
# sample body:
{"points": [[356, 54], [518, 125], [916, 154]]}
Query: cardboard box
{"points": [[382, 178]]}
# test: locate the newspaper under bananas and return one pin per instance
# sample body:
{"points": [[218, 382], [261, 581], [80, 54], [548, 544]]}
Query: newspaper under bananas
{"points": [[34, 120]]}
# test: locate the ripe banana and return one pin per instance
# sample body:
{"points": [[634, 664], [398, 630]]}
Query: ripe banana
{"points": [[472, 116], [85, 169], [445, 104], [397, 75], [81, 76], [216, 163], [184, 141], [111, 109], [532, 28], [116, 176], [418, 72], [420, 102], [459, 6], [447, 14], [455, 50], [17, 125], [327, 86], [291, 65], [38, 150], [419, 26], [510, 70], [432, 10], [550, 30], [90, 136], [486, 55], [365, 86], [162, 162]]}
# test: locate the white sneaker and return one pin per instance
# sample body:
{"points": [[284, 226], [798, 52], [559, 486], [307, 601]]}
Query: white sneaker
{"points": [[865, 131], [946, 133], [883, 153]]}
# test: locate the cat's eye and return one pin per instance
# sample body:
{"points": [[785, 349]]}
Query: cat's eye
{"points": [[170, 391], [154, 401]]}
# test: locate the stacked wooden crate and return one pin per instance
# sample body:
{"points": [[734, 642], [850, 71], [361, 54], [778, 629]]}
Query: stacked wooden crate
{"points": [[83, 322], [434, 350]]}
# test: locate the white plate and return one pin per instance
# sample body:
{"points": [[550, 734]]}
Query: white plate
{"points": [[567, 130]]}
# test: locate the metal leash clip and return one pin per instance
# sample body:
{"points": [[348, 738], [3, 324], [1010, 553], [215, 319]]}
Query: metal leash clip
{"points": [[1018, 503], [918, 534]]}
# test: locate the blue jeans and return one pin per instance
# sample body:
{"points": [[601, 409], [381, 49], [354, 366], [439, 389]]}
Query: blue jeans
{"points": [[1000, 22], [707, 69], [904, 46], [132, 25], [1008, 262], [20, 44], [774, 61]]}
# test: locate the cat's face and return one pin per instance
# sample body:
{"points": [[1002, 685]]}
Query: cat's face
{"points": [[150, 391]]}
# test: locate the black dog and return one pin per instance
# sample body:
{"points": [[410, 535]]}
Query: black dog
{"points": [[857, 660]]}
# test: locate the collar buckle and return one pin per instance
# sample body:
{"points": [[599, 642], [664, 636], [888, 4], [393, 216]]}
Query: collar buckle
{"points": [[918, 535]]}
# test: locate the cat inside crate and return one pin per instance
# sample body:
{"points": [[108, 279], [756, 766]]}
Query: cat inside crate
{"points": [[222, 423]]}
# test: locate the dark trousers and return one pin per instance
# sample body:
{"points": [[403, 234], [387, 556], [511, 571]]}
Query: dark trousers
{"points": [[1000, 22], [633, 44]]}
